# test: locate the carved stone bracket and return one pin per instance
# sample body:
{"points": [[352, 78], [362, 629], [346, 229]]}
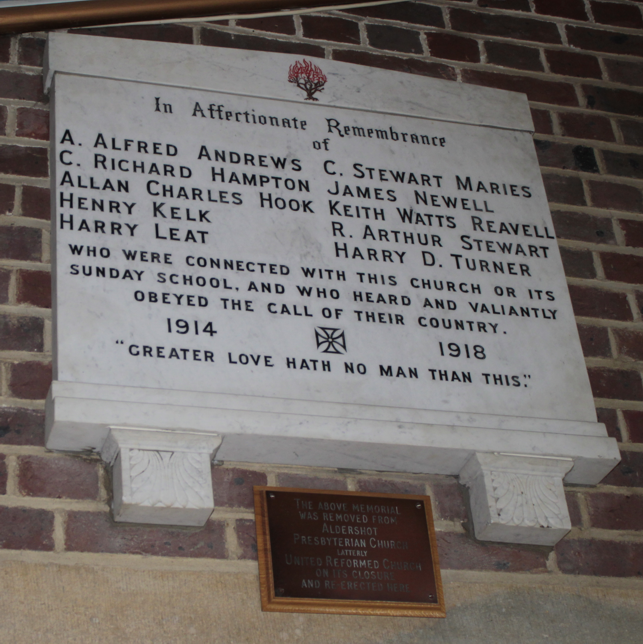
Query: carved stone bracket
{"points": [[161, 476], [516, 498]]}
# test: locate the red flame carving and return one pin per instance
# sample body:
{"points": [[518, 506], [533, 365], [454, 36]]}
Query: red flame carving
{"points": [[308, 77]]}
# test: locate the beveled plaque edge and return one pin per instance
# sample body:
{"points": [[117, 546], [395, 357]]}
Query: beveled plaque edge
{"points": [[271, 603]]}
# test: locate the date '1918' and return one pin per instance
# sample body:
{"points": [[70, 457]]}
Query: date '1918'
{"points": [[455, 351]]}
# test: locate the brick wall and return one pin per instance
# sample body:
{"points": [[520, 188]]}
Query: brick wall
{"points": [[581, 64]]}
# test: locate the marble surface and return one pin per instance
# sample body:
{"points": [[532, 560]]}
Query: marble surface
{"points": [[161, 477], [517, 499], [265, 430], [317, 282], [379, 300]]}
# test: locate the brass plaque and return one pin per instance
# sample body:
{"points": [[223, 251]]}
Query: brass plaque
{"points": [[347, 552]]}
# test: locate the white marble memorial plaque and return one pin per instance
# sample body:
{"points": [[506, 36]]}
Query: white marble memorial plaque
{"points": [[244, 245], [298, 257]]}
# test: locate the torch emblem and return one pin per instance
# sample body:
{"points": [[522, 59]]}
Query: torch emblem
{"points": [[308, 77]]}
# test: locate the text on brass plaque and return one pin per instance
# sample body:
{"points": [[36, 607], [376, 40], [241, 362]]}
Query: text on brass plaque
{"points": [[347, 552]]}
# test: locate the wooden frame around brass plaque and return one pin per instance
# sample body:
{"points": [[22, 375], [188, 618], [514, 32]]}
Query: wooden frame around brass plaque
{"points": [[347, 553]]}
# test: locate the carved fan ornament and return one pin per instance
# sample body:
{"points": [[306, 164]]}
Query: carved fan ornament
{"points": [[527, 500], [308, 77], [169, 479]]}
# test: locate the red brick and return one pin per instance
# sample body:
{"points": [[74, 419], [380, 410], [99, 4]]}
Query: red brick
{"points": [[619, 384], [506, 55], [394, 39], [506, 27], [628, 473], [509, 5], [22, 160], [161, 33], [633, 232], [617, 14], [568, 63], [328, 28], [632, 132], [452, 47], [542, 121], [448, 497], [5, 48], [573, 506], [609, 42], [36, 202], [408, 65], [563, 189], [596, 303], [616, 511], [33, 123], [541, 91], [5, 278], [600, 558], [578, 263], [618, 101], [310, 482], [384, 486], [623, 268], [20, 242], [7, 198], [67, 477], [3, 474], [233, 486], [609, 418], [581, 227], [21, 426], [96, 532], [246, 538], [30, 380], [460, 552], [21, 333], [411, 12], [566, 157], [34, 287], [630, 343], [624, 165], [595, 341], [26, 529], [27, 87], [625, 71], [634, 423], [31, 51], [216, 38], [3, 119], [274, 24], [616, 196], [584, 159], [574, 9], [586, 126]]}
